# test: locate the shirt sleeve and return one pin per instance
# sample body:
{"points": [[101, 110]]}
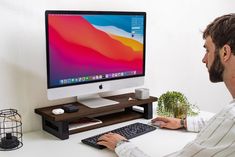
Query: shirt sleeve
{"points": [[195, 124], [128, 149]]}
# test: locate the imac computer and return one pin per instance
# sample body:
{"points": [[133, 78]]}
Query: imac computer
{"points": [[91, 52]]}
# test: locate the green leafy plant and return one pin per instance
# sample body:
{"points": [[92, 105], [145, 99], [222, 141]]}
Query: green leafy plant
{"points": [[175, 104]]}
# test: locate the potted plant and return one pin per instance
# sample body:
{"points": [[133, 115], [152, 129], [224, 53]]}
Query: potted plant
{"points": [[175, 104]]}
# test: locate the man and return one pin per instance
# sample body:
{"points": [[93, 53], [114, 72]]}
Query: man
{"points": [[217, 136]]}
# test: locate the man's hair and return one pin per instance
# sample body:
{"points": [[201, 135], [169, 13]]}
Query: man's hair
{"points": [[222, 31]]}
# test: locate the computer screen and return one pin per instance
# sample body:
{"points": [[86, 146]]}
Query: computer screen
{"points": [[87, 49]]}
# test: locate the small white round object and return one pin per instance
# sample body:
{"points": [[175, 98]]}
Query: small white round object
{"points": [[58, 111]]}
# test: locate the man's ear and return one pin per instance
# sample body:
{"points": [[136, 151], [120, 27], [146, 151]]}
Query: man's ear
{"points": [[225, 52]]}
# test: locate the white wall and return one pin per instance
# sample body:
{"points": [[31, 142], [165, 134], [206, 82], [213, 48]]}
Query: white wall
{"points": [[174, 50]]}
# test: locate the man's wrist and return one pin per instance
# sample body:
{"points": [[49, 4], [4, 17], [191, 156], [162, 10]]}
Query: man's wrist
{"points": [[121, 142], [182, 123]]}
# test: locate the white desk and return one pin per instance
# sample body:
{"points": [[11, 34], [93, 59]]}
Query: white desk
{"points": [[156, 143]]}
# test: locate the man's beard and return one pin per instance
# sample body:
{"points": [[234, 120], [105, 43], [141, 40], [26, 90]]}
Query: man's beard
{"points": [[217, 68]]}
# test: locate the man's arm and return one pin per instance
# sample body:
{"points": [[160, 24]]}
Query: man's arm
{"points": [[169, 123], [193, 124]]}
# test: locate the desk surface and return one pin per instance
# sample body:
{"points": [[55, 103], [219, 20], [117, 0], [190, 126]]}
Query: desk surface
{"points": [[156, 143]]}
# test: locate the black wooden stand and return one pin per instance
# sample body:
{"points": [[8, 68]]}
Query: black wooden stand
{"points": [[58, 125]]}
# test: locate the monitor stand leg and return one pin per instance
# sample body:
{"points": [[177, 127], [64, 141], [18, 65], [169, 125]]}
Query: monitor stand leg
{"points": [[59, 129], [148, 110]]}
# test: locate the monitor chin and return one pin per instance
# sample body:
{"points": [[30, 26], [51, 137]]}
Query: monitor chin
{"points": [[92, 89]]}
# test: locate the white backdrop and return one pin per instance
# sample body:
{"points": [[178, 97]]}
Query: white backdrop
{"points": [[174, 50]]}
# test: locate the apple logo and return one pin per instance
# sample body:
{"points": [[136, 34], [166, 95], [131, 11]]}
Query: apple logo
{"points": [[101, 86]]}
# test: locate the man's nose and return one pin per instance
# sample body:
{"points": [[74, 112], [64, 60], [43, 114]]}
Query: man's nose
{"points": [[204, 59]]}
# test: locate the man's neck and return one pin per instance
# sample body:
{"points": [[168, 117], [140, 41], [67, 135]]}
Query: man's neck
{"points": [[229, 75], [230, 84]]}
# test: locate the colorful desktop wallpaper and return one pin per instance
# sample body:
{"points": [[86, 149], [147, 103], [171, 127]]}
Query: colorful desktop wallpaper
{"points": [[91, 45]]}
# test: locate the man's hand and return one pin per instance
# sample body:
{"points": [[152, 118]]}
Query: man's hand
{"points": [[167, 122], [110, 140]]}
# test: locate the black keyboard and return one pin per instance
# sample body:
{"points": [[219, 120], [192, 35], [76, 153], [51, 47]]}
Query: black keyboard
{"points": [[129, 131]]}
